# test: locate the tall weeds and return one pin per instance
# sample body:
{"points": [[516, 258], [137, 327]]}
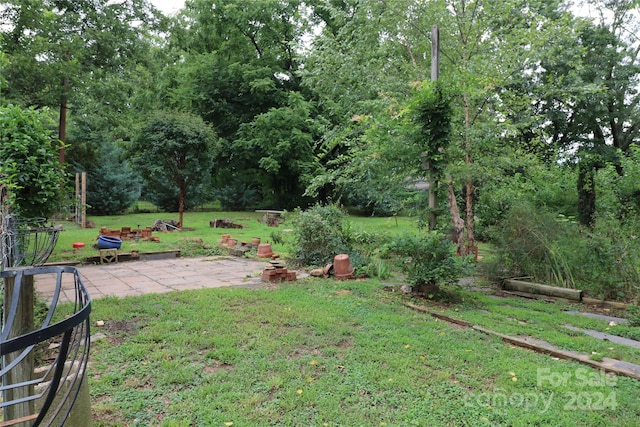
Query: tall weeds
{"points": [[551, 249]]}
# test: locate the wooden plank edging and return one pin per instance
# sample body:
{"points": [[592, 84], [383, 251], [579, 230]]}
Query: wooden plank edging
{"points": [[523, 343]]}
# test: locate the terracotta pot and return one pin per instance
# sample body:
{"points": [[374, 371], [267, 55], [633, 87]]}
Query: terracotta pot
{"points": [[231, 242], [224, 238], [255, 241], [264, 250], [342, 266]]}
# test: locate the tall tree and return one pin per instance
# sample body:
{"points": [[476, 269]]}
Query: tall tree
{"points": [[282, 140], [236, 67], [588, 97], [361, 69], [56, 48]]}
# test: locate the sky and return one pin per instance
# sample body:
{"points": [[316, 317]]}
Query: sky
{"points": [[168, 7]]}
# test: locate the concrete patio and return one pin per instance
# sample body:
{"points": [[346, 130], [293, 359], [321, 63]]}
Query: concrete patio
{"points": [[134, 278]]}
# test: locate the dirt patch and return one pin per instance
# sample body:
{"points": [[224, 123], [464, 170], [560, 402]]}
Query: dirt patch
{"points": [[304, 351], [345, 344], [217, 368], [124, 326]]}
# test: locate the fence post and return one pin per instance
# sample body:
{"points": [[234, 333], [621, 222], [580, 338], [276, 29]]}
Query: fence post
{"points": [[23, 372]]}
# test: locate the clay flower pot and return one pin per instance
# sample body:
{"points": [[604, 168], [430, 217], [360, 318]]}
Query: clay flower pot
{"points": [[224, 238], [264, 250], [255, 241], [231, 242], [342, 267]]}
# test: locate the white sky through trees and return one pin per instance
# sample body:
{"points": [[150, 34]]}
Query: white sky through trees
{"points": [[168, 7]]}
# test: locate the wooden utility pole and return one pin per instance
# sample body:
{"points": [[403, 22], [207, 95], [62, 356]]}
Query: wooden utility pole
{"points": [[83, 200], [435, 73]]}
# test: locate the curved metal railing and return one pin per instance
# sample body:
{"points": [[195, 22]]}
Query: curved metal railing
{"points": [[46, 395], [26, 242]]}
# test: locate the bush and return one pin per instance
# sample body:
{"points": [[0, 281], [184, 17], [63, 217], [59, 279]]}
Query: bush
{"points": [[429, 260], [319, 235], [113, 186], [29, 162]]}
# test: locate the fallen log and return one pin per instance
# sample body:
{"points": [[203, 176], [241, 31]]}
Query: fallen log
{"points": [[537, 288]]}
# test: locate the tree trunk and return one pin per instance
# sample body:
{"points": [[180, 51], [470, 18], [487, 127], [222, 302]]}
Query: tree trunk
{"points": [[586, 193], [62, 128], [183, 192], [458, 223], [470, 243]]}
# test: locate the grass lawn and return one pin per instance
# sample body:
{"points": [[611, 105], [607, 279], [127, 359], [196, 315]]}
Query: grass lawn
{"points": [[199, 230], [319, 352]]}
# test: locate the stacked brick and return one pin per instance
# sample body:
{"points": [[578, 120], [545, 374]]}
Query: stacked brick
{"points": [[276, 271]]}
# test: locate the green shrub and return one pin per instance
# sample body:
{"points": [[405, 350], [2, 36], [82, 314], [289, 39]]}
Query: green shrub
{"points": [[29, 162], [319, 235], [277, 237], [377, 267], [428, 259], [113, 185], [237, 196]]}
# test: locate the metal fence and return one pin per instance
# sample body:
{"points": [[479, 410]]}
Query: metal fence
{"points": [[26, 242], [44, 395]]}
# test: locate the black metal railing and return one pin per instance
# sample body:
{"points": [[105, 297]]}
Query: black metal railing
{"points": [[59, 345], [26, 242]]}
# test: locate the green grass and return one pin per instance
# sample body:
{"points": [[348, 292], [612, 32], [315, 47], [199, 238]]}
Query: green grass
{"points": [[199, 223], [540, 319], [328, 353]]}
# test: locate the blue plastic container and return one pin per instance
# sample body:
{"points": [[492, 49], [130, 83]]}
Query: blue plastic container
{"points": [[108, 242]]}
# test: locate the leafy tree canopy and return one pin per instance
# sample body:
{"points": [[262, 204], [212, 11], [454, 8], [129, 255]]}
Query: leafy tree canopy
{"points": [[29, 163], [175, 151]]}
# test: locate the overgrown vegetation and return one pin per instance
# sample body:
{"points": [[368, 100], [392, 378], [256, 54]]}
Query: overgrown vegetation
{"points": [[320, 234], [251, 79], [604, 260]]}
